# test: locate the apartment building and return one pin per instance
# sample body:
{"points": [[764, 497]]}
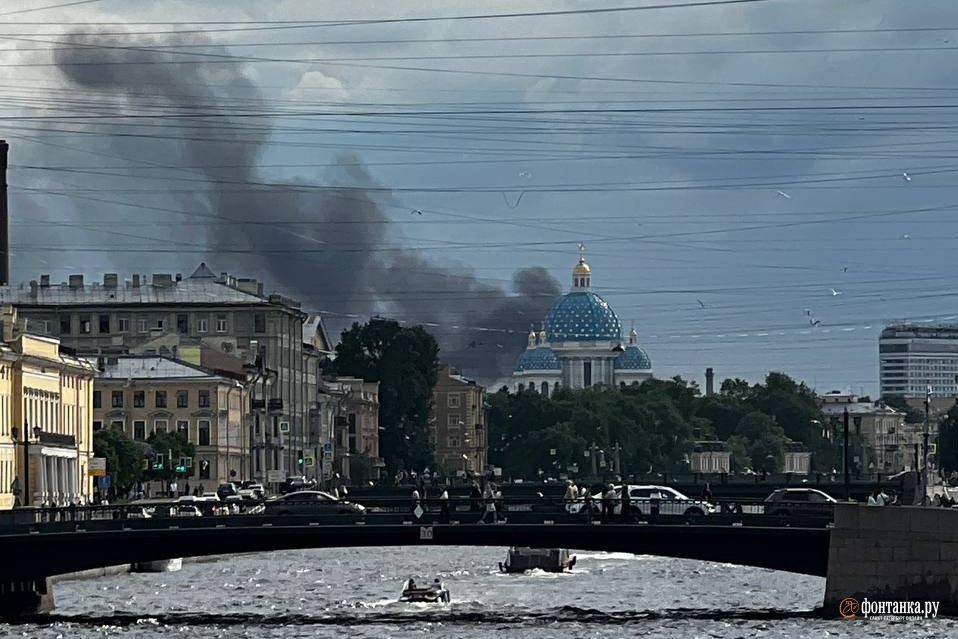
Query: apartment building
{"points": [[459, 423], [46, 418], [166, 314], [888, 442], [141, 395], [355, 406]]}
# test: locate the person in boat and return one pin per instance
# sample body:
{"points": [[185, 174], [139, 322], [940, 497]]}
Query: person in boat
{"points": [[412, 584], [436, 584]]}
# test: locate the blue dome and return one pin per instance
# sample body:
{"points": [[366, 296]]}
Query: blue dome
{"points": [[540, 358], [633, 358], [582, 316]]}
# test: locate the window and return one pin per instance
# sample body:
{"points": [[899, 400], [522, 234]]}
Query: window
{"points": [[104, 324], [183, 427], [116, 399], [220, 323], [452, 400], [85, 324], [116, 424], [123, 324], [205, 468], [182, 323], [203, 428], [97, 425], [160, 399], [97, 402], [452, 442], [159, 323], [139, 430], [259, 323], [65, 327], [139, 399], [141, 326], [182, 399], [203, 325], [160, 425], [204, 399], [453, 420]]}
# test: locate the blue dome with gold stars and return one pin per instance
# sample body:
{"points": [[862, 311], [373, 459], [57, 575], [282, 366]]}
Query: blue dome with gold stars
{"points": [[633, 358], [541, 358], [582, 316]]}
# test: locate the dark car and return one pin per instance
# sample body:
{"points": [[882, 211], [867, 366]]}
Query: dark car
{"points": [[312, 502], [225, 490], [800, 502], [296, 484]]}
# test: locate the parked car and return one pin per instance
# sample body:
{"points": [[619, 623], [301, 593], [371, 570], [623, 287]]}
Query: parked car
{"points": [[801, 502], [185, 510], [309, 502], [226, 489], [296, 484], [669, 501], [252, 490], [139, 512]]}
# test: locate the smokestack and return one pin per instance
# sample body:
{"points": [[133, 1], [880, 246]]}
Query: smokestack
{"points": [[709, 381], [4, 218]]}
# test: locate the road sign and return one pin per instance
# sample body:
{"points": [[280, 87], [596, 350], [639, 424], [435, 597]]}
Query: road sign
{"points": [[328, 447], [103, 482], [284, 427], [97, 467], [327, 454], [309, 462], [275, 476]]}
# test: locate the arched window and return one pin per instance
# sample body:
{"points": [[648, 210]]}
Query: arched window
{"points": [[545, 388], [521, 388]]}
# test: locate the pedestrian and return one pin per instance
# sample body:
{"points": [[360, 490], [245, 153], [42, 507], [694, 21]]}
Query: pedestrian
{"points": [[415, 502], [489, 498], [608, 504], [873, 498], [444, 514], [707, 492], [589, 514], [475, 495], [626, 513], [186, 489]]}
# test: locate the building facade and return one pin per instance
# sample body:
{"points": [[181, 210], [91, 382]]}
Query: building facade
{"points": [[356, 430], [580, 344], [141, 395], [458, 423], [160, 316], [913, 358], [709, 457], [889, 443], [46, 420]]}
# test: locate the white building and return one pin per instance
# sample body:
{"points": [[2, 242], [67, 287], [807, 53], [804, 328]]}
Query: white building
{"points": [[912, 358], [580, 344]]}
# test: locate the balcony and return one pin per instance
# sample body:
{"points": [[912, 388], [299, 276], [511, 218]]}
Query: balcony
{"points": [[57, 439]]}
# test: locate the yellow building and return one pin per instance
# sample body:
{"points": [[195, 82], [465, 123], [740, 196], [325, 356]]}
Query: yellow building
{"points": [[145, 394], [46, 421], [459, 423]]}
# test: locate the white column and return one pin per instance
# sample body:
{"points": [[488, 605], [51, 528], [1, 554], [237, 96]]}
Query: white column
{"points": [[41, 474]]}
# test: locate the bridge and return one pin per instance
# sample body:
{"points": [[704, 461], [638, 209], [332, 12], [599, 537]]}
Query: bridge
{"points": [[39, 544]]}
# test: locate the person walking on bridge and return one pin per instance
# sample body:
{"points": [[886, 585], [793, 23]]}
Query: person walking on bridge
{"points": [[608, 504]]}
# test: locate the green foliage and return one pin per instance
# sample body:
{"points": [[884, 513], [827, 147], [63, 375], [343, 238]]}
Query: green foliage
{"points": [[948, 441], [405, 362], [124, 459], [763, 440], [172, 446], [912, 415]]}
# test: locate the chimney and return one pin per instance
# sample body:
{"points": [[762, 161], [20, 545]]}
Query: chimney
{"points": [[179, 277], [33, 289], [709, 381], [110, 280], [136, 280], [4, 219], [44, 281], [76, 281]]}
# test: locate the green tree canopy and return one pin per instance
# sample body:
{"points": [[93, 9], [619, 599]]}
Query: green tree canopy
{"points": [[124, 458], [405, 362], [173, 446]]}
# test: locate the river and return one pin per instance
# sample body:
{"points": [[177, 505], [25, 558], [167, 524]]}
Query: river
{"points": [[353, 592]]}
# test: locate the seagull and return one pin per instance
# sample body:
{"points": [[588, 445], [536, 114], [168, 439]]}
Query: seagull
{"points": [[906, 176], [784, 195], [814, 322], [701, 303], [906, 236], [834, 292], [844, 269], [498, 345], [416, 212], [808, 312]]}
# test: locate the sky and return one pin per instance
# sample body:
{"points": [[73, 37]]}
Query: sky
{"points": [[759, 185]]}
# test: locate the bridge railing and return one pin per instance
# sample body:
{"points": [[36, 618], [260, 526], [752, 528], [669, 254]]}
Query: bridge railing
{"points": [[390, 510]]}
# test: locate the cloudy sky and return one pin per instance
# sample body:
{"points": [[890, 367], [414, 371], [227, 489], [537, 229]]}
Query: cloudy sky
{"points": [[737, 171]]}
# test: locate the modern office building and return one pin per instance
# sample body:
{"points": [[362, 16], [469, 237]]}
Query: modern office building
{"points": [[913, 358]]}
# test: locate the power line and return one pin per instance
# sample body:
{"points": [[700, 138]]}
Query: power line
{"points": [[52, 6]]}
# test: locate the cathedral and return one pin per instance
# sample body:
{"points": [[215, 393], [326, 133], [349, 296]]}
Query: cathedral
{"points": [[580, 344]]}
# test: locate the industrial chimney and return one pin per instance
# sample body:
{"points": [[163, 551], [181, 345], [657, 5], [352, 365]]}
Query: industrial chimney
{"points": [[4, 218], [709, 381]]}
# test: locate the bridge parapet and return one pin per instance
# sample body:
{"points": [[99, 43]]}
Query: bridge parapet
{"points": [[893, 554]]}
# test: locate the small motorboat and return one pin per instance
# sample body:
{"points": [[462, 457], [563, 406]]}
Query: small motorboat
{"points": [[546, 559], [435, 592]]}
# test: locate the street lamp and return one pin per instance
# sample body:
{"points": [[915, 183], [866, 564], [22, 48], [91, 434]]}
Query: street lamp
{"points": [[924, 451]]}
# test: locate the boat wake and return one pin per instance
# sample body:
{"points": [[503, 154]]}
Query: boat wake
{"points": [[418, 614]]}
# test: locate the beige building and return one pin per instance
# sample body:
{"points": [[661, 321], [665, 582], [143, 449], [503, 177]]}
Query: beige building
{"points": [[165, 313], [145, 394], [45, 419], [356, 428], [459, 423], [888, 441]]}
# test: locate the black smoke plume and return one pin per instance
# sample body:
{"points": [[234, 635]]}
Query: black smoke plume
{"points": [[325, 240]]}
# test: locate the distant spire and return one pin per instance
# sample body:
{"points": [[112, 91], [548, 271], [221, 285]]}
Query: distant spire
{"points": [[543, 337], [532, 336], [581, 274], [633, 336]]}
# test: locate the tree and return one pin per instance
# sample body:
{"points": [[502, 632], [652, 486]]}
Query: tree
{"points": [[948, 441], [764, 441], [124, 459], [172, 446], [405, 362]]}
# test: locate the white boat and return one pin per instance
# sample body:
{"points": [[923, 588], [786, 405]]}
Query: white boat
{"points": [[521, 559], [432, 593]]}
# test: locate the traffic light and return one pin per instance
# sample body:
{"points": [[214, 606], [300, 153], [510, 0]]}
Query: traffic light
{"points": [[300, 458], [181, 466], [158, 461]]}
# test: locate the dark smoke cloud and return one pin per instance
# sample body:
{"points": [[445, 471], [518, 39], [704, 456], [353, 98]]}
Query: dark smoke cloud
{"points": [[326, 247]]}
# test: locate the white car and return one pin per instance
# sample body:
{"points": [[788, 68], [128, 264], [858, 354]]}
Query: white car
{"points": [[669, 501], [185, 510]]}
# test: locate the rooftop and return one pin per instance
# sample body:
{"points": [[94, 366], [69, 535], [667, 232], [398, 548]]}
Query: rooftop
{"points": [[932, 331], [149, 367], [202, 287]]}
